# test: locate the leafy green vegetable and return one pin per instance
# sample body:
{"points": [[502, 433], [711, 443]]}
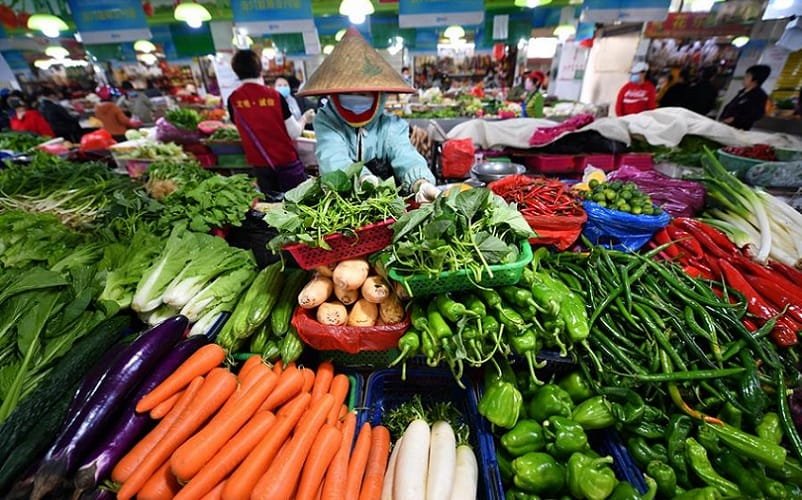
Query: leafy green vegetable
{"points": [[185, 118], [225, 134], [224, 289], [19, 141], [156, 151], [177, 252]]}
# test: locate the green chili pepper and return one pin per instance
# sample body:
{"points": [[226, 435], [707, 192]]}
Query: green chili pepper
{"points": [[417, 316], [491, 298], [409, 344], [701, 466], [770, 487], [437, 324], [664, 476], [548, 401], [750, 446], [625, 404], [709, 439], [513, 322], [450, 309], [514, 494], [729, 465], [475, 305], [769, 428], [526, 345], [574, 313], [752, 394], [786, 420], [430, 349], [576, 386], [538, 473], [732, 415], [679, 428], [501, 404], [544, 294], [519, 297], [643, 453], [624, 491], [593, 413], [569, 437], [708, 493], [525, 437], [590, 478], [648, 430]]}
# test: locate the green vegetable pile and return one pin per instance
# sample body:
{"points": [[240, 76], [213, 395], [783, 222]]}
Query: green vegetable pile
{"points": [[335, 202], [470, 230], [225, 134], [688, 152], [156, 151], [622, 196], [184, 118], [19, 141]]}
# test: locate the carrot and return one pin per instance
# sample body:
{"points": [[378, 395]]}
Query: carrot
{"points": [[249, 363], [191, 456], [256, 375], [309, 379], [319, 494], [323, 376], [285, 407], [278, 367], [358, 461], [232, 454], [216, 389], [343, 413], [165, 406], [161, 486], [322, 452], [377, 464], [241, 483], [336, 476], [339, 389], [216, 493], [282, 476], [130, 462], [200, 363], [290, 383]]}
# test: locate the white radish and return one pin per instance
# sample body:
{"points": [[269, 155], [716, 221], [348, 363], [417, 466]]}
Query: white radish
{"points": [[409, 481], [442, 462], [387, 487], [466, 478]]}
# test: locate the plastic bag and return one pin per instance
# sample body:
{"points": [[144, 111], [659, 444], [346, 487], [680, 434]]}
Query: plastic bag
{"points": [[560, 231], [458, 158], [348, 339], [547, 135], [97, 140], [678, 197], [167, 132], [621, 230], [785, 175]]}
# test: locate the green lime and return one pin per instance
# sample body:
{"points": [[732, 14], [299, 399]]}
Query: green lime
{"points": [[593, 183], [625, 207], [636, 210], [602, 204], [610, 194]]}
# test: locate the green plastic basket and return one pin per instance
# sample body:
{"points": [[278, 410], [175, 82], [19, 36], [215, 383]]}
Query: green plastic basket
{"points": [[231, 161], [419, 285], [355, 391], [788, 154], [364, 359], [738, 165]]}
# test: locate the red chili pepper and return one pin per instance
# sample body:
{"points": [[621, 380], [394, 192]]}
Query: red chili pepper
{"points": [[778, 296], [661, 237], [686, 241], [789, 271], [749, 324], [711, 241], [704, 266], [756, 269], [695, 272]]}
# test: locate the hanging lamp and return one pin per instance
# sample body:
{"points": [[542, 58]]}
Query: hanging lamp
{"points": [[48, 24], [356, 10], [194, 14]]}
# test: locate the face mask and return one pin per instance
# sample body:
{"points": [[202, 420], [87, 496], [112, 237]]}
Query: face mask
{"points": [[285, 91], [634, 78], [356, 104], [529, 85]]}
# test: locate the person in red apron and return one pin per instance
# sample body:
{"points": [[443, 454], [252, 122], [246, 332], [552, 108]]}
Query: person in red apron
{"points": [[266, 126]]}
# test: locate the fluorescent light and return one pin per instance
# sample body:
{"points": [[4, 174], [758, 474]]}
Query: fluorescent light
{"points": [[541, 48], [740, 41], [328, 49], [57, 52], [339, 36], [48, 24], [454, 32], [194, 14], [356, 10], [564, 31], [144, 46]]}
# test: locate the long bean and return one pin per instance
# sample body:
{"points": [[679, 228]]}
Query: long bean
{"points": [[688, 375]]}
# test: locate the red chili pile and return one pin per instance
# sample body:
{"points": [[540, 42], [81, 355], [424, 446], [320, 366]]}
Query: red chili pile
{"points": [[757, 152], [537, 195], [772, 293]]}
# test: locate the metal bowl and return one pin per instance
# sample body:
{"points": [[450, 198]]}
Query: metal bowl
{"points": [[490, 171]]}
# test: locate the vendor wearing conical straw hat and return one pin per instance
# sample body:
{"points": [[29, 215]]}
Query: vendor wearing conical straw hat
{"points": [[353, 127]]}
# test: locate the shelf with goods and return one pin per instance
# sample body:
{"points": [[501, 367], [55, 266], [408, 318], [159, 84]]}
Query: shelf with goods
{"points": [[575, 354], [786, 91]]}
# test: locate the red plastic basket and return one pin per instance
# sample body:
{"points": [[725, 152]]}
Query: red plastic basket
{"points": [[554, 164], [602, 161], [641, 161], [367, 240], [350, 339]]}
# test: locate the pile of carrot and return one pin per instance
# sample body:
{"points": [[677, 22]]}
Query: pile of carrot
{"points": [[269, 432]]}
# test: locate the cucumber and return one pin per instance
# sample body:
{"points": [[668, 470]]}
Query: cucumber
{"points": [[265, 298], [35, 422], [260, 338], [287, 300]]}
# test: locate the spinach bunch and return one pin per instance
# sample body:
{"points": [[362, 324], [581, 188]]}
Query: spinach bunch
{"points": [[184, 118], [469, 230], [336, 202]]}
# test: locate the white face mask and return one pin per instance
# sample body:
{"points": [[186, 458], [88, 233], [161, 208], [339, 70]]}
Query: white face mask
{"points": [[635, 78], [357, 104], [285, 91]]}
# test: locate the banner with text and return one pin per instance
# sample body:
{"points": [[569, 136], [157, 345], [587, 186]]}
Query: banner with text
{"points": [[427, 13], [625, 11], [261, 17], [109, 21]]}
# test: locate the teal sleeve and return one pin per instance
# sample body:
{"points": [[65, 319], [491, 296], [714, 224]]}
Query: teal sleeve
{"points": [[408, 165], [332, 149]]}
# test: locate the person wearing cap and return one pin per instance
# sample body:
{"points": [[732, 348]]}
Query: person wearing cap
{"points": [[267, 127], [533, 103], [749, 105], [114, 120], [26, 119], [353, 127], [638, 94]]}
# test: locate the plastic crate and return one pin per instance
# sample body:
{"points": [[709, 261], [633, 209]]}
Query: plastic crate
{"points": [[641, 161], [602, 161], [419, 285], [231, 161], [362, 360], [552, 164], [356, 389], [225, 148], [738, 165], [385, 390], [137, 168], [368, 239]]}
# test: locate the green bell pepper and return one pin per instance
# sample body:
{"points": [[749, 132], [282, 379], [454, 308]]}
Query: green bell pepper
{"points": [[624, 491], [664, 476], [525, 437], [549, 400], [538, 473], [700, 464], [593, 413], [569, 437], [514, 494], [708, 493], [643, 453], [576, 386], [501, 404], [590, 478], [769, 428]]}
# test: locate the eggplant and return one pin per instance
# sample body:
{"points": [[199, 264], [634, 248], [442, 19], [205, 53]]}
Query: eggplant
{"points": [[130, 425], [135, 363], [92, 380]]}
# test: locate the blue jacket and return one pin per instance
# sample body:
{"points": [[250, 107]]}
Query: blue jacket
{"points": [[386, 137]]}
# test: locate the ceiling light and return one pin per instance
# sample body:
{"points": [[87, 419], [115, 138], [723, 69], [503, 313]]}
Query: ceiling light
{"points": [[564, 31], [339, 36], [356, 10], [48, 24], [192, 13], [740, 41], [328, 49], [396, 45], [241, 41], [147, 59], [454, 33], [531, 4], [144, 46], [57, 52], [42, 63]]}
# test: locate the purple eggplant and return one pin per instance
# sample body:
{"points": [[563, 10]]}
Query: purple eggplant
{"points": [[135, 363], [92, 380], [130, 425]]}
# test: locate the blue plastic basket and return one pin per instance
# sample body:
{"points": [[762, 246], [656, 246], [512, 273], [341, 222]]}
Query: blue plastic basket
{"points": [[385, 391]]}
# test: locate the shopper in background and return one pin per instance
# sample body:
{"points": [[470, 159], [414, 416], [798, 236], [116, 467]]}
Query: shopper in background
{"points": [[5, 111], [138, 103], [406, 75], [114, 120], [27, 119], [63, 123], [152, 90], [702, 94], [638, 94], [283, 88], [678, 95], [266, 126], [749, 105], [533, 96]]}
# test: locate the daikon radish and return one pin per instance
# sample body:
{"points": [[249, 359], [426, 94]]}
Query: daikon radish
{"points": [[442, 462], [346, 296], [387, 487], [375, 289], [412, 466], [363, 313], [466, 477], [332, 314], [315, 292]]}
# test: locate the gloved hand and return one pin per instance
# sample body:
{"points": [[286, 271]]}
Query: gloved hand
{"points": [[309, 115], [369, 179], [425, 192]]}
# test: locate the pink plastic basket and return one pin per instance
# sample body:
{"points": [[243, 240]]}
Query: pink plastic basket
{"points": [[367, 240], [602, 161], [555, 164], [641, 161]]}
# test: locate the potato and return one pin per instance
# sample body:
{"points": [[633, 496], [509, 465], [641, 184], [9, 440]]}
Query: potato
{"points": [[363, 314]]}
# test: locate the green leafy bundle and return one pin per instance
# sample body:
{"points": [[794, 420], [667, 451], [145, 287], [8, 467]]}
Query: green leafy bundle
{"points": [[225, 134], [184, 118], [19, 141], [156, 151], [336, 202], [470, 230]]}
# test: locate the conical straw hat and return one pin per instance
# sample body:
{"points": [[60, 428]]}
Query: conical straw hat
{"points": [[354, 66]]}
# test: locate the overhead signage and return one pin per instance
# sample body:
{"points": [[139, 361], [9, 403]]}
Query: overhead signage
{"points": [[109, 21], [261, 17], [696, 25], [433, 13], [625, 11]]}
